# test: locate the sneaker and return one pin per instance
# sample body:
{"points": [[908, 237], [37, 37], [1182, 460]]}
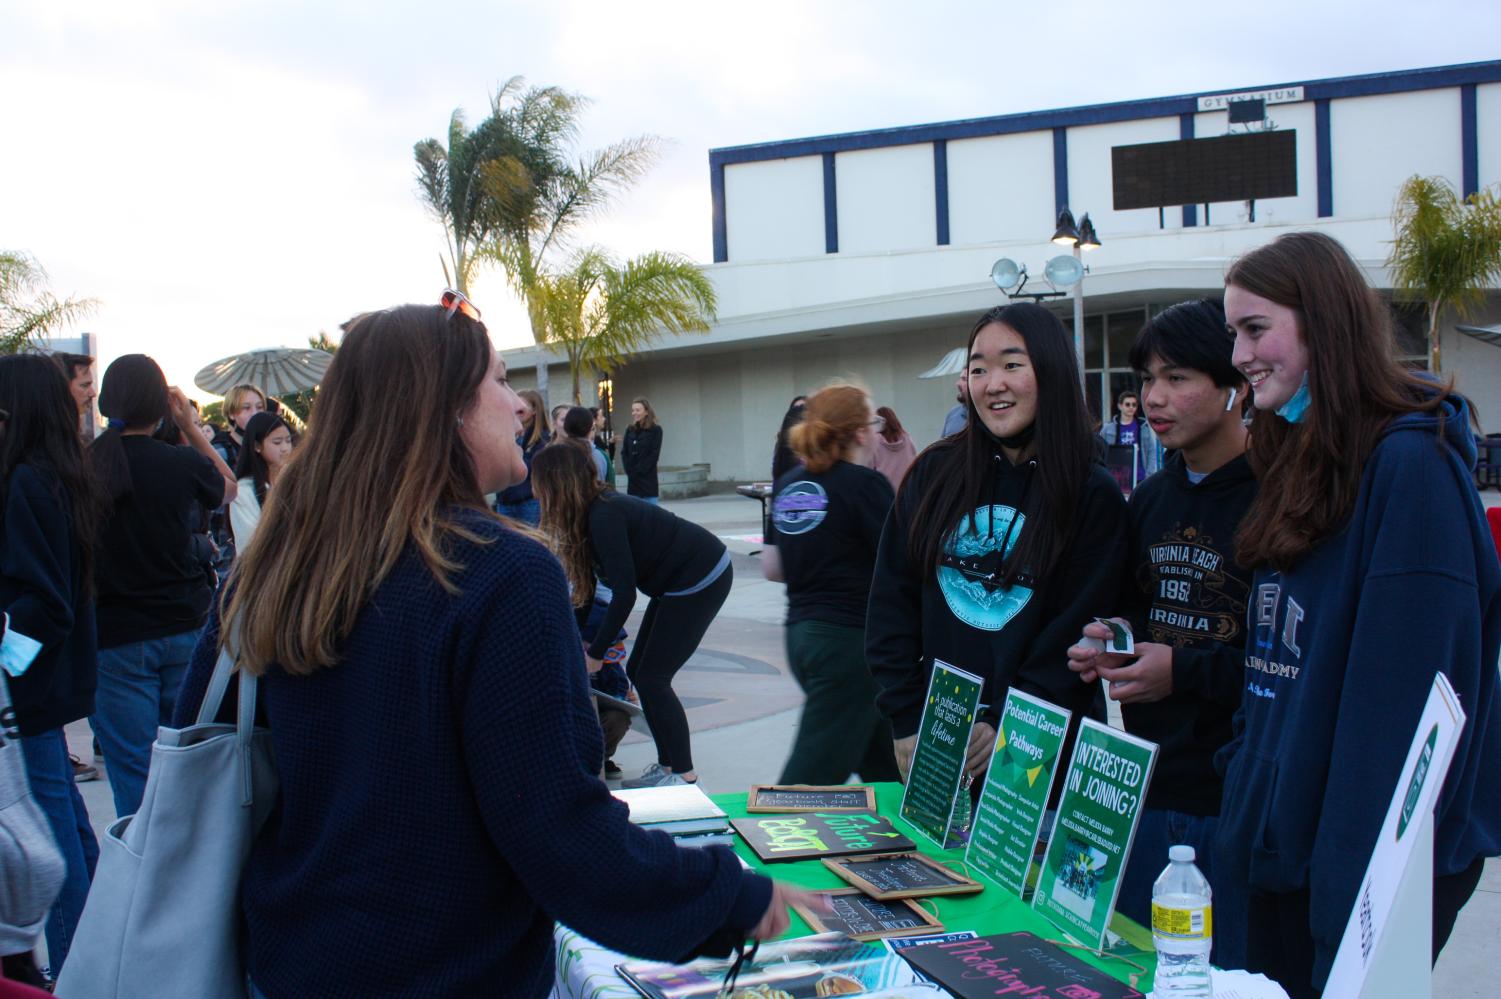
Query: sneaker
{"points": [[655, 775], [82, 772], [613, 771]]}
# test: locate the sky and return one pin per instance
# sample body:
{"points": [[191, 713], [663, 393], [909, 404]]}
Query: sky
{"points": [[228, 176]]}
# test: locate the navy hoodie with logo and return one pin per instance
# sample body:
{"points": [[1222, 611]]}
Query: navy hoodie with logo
{"points": [[1342, 651], [1017, 636]]}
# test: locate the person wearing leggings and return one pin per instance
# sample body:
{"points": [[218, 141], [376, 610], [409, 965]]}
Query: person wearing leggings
{"points": [[630, 545]]}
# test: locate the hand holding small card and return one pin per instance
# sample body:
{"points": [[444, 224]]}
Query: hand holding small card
{"points": [[1120, 642]]}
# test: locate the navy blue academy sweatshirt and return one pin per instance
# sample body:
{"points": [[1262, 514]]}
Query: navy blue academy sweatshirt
{"points": [[1186, 590], [440, 806], [1343, 651], [43, 590], [1007, 636]]}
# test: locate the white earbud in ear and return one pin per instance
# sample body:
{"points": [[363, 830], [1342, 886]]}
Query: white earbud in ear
{"points": [[1230, 402]]}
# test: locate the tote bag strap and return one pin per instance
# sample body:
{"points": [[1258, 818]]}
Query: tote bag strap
{"points": [[213, 698]]}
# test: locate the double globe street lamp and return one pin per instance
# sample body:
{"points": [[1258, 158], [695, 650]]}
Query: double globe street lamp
{"points": [[1064, 274]]}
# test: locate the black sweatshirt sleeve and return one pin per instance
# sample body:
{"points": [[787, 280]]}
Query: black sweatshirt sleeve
{"points": [[36, 561], [893, 622], [1088, 578], [1216, 674], [611, 538]]}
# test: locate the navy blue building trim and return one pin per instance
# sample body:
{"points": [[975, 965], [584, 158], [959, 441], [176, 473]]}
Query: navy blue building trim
{"points": [[721, 231], [1469, 138], [1318, 91], [1060, 169], [1186, 131], [1324, 158], [830, 206], [941, 189]]}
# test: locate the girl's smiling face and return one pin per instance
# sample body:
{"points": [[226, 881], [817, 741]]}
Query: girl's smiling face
{"points": [[1269, 347], [1002, 382]]}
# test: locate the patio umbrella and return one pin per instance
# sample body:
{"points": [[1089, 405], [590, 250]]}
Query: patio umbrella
{"points": [[274, 370], [952, 364]]}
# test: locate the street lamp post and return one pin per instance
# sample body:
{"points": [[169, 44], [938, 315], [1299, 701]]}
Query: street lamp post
{"points": [[1080, 237]]}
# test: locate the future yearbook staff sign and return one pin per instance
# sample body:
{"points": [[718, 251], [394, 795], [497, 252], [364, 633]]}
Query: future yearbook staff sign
{"points": [[942, 743], [1102, 799]]}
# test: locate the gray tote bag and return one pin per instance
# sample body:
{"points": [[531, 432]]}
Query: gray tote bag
{"points": [[163, 915], [31, 866]]}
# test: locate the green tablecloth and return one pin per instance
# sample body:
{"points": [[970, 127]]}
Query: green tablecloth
{"points": [[993, 910]]}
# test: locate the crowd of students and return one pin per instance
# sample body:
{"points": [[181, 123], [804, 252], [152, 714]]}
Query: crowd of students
{"points": [[425, 666]]}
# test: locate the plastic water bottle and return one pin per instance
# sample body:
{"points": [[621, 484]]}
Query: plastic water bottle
{"points": [[1182, 928]]}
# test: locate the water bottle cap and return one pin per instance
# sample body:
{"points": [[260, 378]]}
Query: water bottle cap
{"points": [[1181, 853]]}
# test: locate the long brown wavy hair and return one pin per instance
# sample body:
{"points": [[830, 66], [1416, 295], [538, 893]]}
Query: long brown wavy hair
{"points": [[369, 480], [1310, 471], [566, 484], [536, 429]]}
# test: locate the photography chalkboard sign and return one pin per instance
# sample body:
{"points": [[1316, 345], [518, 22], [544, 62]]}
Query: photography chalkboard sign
{"points": [[901, 875], [810, 798], [817, 834], [860, 917]]}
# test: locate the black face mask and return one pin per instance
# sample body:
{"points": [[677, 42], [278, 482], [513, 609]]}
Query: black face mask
{"points": [[1021, 440]]}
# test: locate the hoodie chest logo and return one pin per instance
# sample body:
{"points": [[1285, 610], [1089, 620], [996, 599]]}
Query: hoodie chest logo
{"points": [[969, 576]]}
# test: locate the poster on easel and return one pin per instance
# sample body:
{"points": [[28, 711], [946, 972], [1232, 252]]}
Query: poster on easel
{"points": [[1023, 765], [933, 784], [1373, 936], [1103, 794]]}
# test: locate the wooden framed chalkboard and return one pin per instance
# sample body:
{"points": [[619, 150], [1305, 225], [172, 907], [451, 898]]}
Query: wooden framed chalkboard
{"points": [[810, 798], [901, 875], [860, 917]]}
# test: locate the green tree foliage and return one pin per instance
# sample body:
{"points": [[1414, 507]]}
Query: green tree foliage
{"points": [[29, 312], [600, 313], [1447, 250]]}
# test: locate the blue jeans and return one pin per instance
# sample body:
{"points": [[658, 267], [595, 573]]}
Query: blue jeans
{"points": [[50, 773], [138, 685], [527, 511]]}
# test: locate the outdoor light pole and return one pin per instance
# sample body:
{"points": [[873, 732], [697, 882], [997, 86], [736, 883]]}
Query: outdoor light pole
{"points": [[1080, 237]]}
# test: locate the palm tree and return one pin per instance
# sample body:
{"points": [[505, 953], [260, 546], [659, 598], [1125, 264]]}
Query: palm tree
{"points": [[519, 139], [29, 312], [600, 313], [1447, 250]]}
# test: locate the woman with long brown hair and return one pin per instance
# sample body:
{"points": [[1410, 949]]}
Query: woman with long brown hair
{"points": [[825, 525], [421, 678], [891, 450], [641, 451], [1374, 571], [631, 545], [517, 501]]}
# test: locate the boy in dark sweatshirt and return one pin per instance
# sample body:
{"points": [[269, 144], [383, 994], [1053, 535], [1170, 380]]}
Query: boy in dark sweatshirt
{"points": [[1185, 597]]}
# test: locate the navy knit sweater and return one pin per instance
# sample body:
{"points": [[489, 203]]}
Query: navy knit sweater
{"points": [[439, 803]]}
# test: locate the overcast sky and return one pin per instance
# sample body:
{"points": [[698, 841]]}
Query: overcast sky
{"points": [[227, 176]]}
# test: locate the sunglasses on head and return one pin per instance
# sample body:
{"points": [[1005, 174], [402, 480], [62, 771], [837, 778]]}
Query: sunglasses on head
{"points": [[454, 301]]}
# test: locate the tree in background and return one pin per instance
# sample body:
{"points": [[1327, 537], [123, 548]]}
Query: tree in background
{"points": [[29, 312], [513, 191], [600, 313], [1447, 250]]}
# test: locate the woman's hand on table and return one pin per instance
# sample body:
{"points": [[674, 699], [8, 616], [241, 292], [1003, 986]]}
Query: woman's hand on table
{"points": [[777, 918], [981, 739], [904, 748]]}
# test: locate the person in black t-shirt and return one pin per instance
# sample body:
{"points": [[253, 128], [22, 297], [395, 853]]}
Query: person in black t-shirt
{"points": [[825, 526], [634, 545], [1185, 597], [153, 595]]}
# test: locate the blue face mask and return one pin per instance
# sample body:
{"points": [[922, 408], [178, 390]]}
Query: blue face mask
{"points": [[1294, 409]]}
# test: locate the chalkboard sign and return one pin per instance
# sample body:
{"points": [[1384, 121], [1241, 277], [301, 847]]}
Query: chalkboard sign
{"points": [[860, 917], [810, 798], [819, 834], [901, 875]]}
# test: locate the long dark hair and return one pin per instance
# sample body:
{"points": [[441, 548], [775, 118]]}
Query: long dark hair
{"points": [[893, 429], [134, 395], [42, 431], [1310, 472], [962, 468], [314, 562], [252, 465], [566, 483]]}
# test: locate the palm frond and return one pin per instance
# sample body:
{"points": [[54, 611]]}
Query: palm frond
{"points": [[29, 312]]}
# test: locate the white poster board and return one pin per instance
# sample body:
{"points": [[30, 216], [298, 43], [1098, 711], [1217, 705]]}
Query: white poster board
{"points": [[1387, 949]]}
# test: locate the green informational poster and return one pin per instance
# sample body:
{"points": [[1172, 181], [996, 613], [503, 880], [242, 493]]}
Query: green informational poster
{"points": [[1022, 767], [942, 742], [1102, 799]]}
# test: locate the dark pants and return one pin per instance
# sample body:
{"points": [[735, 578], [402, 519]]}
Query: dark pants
{"points": [[1280, 946], [614, 724], [669, 634], [841, 732], [50, 774]]}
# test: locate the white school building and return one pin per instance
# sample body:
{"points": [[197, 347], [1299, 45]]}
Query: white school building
{"points": [[868, 255]]}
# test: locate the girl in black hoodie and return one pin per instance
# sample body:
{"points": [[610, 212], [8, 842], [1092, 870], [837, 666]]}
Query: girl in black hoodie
{"points": [[1004, 538]]}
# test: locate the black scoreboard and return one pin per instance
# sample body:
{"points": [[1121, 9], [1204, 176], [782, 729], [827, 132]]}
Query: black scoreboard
{"points": [[1245, 166]]}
